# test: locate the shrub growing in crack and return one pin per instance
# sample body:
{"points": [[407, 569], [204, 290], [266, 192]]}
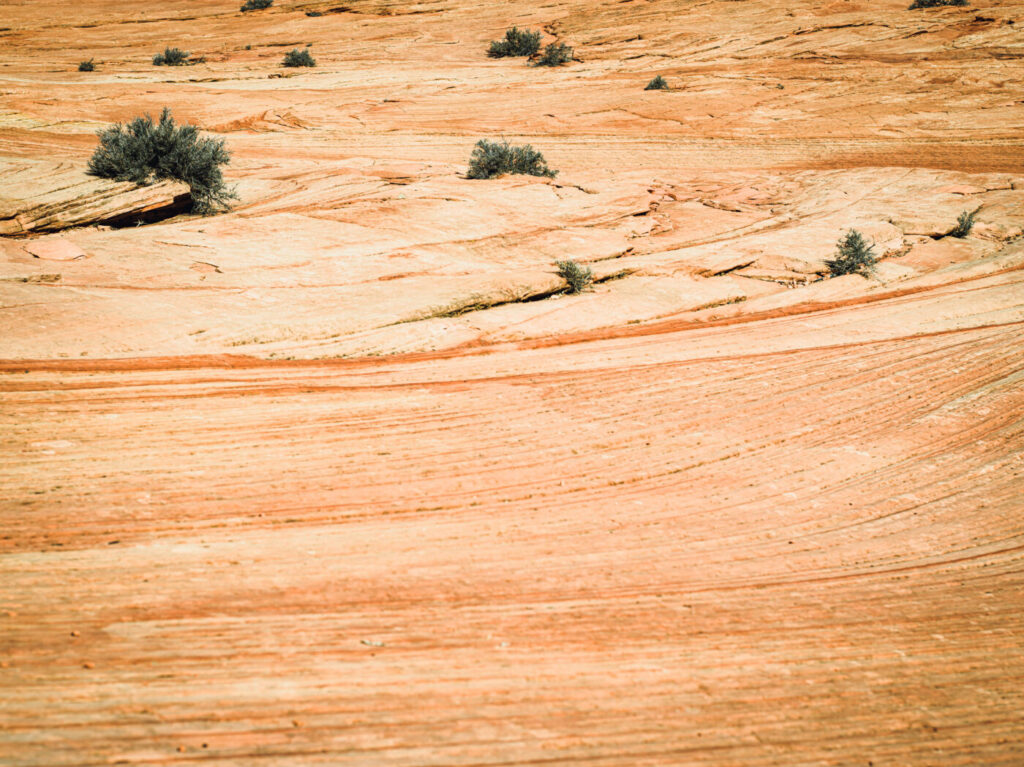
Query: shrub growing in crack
{"points": [[964, 222], [256, 5], [142, 152], [659, 83], [517, 42], [555, 54], [853, 256], [490, 159], [297, 58], [576, 277], [86, 66], [171, 57]]}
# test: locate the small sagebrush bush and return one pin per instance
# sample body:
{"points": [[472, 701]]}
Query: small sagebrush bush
{"points": [[935, 4], [659, 83], [314, 13], [517, 42], [142, 151], [490, 159], [853, 256], [171, 57], [964, 222], [86, 66], [555, 55], [297, 58], [576, 277], [256, 5]]}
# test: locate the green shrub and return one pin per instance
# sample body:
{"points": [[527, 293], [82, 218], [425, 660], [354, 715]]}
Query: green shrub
{"points": [[853, 256], [490, 159], [517, 42], [964, 222], [935, 4], [297, 58], [555, 55], [142, 152], [659, 83], [171, 57], [256, 5], [576, 277], [86, 66]]}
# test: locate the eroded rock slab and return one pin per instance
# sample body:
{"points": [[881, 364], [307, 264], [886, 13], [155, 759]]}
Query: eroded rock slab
{"points": [[55, 250], [49, 197]]}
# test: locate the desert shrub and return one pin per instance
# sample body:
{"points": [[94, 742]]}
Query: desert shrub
{"points": [[314, 13], [256, 5], [659, 83], [576, 277], [490, 159], [171, 57], [517, 42], [935, 4], [555, 54], [297, 58], [86, 66], [853, 256], [964, 222], [142, 151]]}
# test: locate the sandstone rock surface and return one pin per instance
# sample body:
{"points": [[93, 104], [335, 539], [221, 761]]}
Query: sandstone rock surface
{"points": [[342, 477]]}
